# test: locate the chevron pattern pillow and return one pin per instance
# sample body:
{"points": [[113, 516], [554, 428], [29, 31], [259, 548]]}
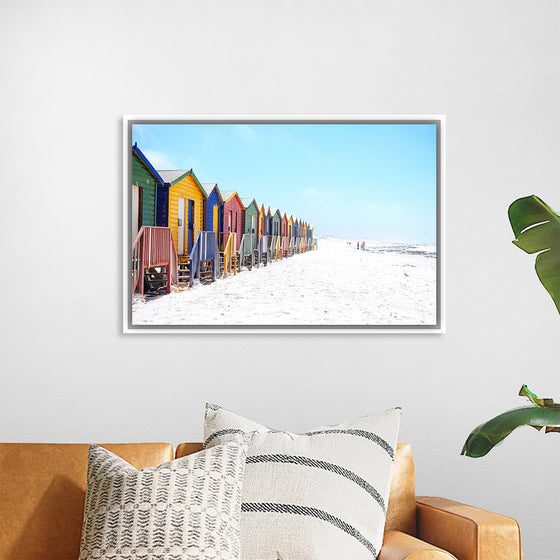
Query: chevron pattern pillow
{"points": [[187, 509], [320, 495]]}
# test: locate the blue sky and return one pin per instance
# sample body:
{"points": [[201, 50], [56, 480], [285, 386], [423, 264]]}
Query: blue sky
{"points": [[375, 181]]}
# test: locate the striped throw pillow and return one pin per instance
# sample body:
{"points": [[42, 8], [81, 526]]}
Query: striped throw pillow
{"points": [[187, 509], [321, 495]]}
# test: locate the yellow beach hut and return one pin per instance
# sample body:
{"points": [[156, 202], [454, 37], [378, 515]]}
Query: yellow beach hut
{"points": [[262, 220], [181, 207]]}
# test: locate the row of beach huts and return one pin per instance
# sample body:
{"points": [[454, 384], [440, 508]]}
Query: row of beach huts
{"points": [[184, 230]]}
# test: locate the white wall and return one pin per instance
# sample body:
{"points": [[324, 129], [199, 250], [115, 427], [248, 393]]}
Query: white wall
{"points": [[70, 70]]}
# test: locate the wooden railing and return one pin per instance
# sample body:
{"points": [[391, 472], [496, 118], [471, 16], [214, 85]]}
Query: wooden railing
{"points": [[230, 254], [246, 249], [205, 249], [285, 246], [275, 249], [263, 249], [153, 247]]}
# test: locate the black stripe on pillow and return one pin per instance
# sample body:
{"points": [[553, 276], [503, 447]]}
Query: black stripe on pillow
{"points": [[360, 433], [315, 463], [311, 512], [221, 433]]}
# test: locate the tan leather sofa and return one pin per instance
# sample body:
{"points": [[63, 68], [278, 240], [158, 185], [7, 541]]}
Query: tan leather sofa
{"points": [[42, 492]]}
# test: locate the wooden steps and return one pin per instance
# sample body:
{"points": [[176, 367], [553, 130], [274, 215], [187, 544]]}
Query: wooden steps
{"points": [[183, 271], [155, 280], [206, 272], [248, 262], [235, 264]]}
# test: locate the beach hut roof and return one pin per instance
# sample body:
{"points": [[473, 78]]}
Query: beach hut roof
{"points": [[247, 202], [173, 176], [209, 187], [226, 195], [136, 150]]}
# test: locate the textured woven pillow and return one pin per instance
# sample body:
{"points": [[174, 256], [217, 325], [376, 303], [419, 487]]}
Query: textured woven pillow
{"points": [[187, 509], [321, 495]]}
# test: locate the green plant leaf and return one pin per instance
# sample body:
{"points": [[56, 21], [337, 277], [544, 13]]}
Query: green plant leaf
{"points": [[536, 227], [541, 403], [484, 437]]}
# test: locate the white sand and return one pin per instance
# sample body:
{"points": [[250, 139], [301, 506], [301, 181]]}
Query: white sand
{"points": [[335, 285]]}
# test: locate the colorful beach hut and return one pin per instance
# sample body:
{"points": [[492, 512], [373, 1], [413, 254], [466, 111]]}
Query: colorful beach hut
{"points": [[233, 217], [284, 234], [262, 236], [214, 208], [250, 232], [250, 219], [303, 235], [276, 221], [145, 182], [180, 206], [262, 220], [275, 229], [296, 234], [154, 258], [291, 238], [310, 237], [268, 220]]}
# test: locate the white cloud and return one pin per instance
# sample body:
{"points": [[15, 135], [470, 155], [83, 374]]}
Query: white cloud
{"points": [[310, 192], [159, 160], [192, 163], [307, 151], [245, 131], [325, 198]]}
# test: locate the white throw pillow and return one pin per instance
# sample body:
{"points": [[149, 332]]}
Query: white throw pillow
{"points": [[187, 509], [321, 495]]}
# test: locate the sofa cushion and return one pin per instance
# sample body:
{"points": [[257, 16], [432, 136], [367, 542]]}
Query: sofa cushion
{"points": [[321, 494], [186, 509], [42, 493], [401, 509]]}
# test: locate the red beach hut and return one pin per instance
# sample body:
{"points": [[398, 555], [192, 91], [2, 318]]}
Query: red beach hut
{"points": [[233, 217]]}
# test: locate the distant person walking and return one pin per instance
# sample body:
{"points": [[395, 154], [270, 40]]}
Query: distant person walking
{"points": [[363, 245], [358, 246]]}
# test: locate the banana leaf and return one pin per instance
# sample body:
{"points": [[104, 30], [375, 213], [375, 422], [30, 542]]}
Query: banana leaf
{"points": [[545, 414], [536, 227], [537, 401]]}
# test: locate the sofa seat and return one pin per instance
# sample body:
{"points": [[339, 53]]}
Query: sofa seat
{"points": [[42, 495]]}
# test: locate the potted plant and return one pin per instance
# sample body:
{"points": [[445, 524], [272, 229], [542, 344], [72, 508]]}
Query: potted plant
{"points": [[537, 230]]}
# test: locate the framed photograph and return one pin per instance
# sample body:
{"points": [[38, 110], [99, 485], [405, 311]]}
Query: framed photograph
{"points": [[283, 224]]}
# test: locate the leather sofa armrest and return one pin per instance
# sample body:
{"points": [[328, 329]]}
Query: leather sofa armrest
{"points": [[468, 533], [401, 546]]}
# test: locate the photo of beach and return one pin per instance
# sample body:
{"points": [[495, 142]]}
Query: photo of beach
{"points": [[283, 224]]}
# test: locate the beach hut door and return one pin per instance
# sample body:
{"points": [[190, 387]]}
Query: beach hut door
{"points": [[215, 220], [191, 224], [181, 227], [136, 210]]}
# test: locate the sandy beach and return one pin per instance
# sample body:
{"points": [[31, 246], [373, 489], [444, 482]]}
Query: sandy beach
{"points": [[386, 284]]}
